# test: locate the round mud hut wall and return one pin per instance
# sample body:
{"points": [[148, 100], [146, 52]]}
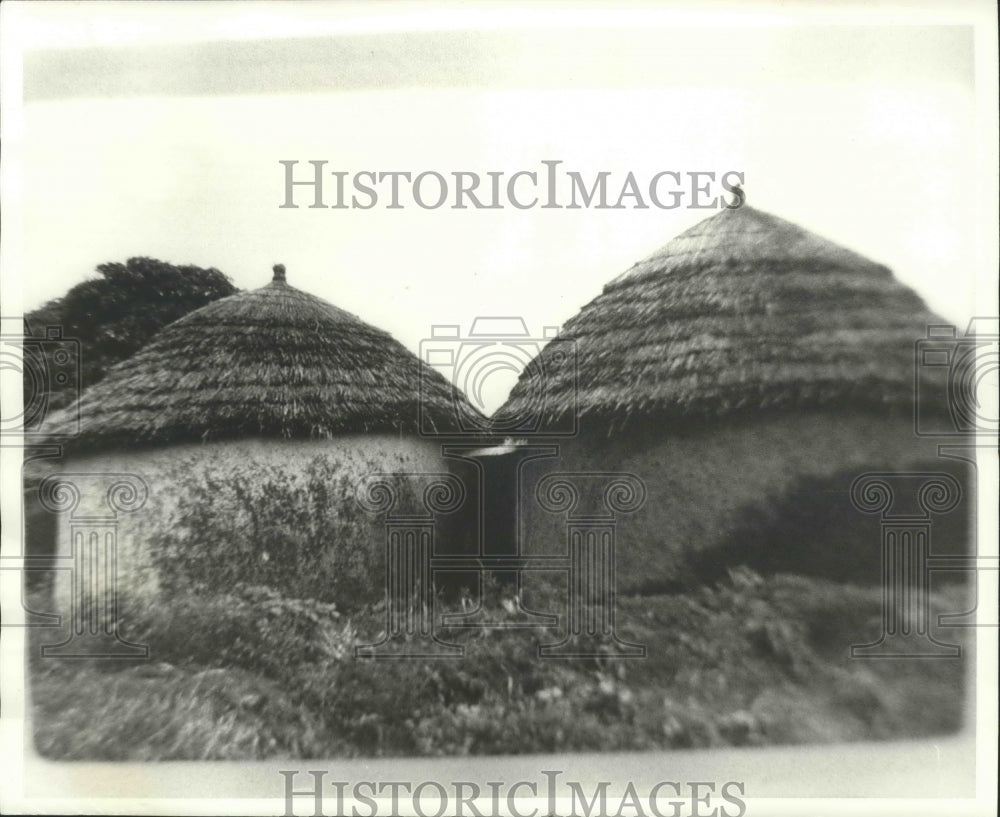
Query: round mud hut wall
{"points": [[276, 513], [772, 493]]}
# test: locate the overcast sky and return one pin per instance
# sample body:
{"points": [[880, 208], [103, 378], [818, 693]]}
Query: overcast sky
{"points": [[144, 132]]}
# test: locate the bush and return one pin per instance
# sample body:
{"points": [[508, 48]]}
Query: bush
{"points": [[299, 532], [751, 661], [251, 627]]}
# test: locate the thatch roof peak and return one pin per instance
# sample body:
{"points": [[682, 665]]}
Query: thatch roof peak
{"points": [[744, 311], [743, 235], [271, 362]]}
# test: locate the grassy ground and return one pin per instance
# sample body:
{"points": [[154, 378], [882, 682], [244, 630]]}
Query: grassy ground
{"points": [[249, 674]]}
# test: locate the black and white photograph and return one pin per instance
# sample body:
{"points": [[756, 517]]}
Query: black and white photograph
{"points": [[499, 409]]}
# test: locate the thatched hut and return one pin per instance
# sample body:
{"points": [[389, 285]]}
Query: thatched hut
{"points": [[746, 371], [252, 420]]}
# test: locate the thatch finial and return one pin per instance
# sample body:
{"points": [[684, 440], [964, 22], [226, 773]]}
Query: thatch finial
{"points": [[739, 197], [279, 273]]}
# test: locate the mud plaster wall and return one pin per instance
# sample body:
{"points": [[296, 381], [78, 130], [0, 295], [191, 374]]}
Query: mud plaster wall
{"points": [[170, 472], [697, 483]]}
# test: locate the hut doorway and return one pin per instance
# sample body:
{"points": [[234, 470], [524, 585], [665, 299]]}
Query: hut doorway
{"points": [[500, 472]]}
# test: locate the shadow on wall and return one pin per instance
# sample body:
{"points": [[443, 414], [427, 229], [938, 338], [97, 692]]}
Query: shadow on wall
{"points": [[40, 536], [815, 530]]}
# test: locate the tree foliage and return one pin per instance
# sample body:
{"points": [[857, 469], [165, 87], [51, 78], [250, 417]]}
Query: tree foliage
{"points": [[114, 315]]}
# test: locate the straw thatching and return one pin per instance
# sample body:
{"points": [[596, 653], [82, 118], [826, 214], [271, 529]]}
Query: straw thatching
{"points": [[742, 312], [274, 362]]}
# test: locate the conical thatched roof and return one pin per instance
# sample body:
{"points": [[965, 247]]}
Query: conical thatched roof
{"points": [[743, 311], [273, 362]]}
